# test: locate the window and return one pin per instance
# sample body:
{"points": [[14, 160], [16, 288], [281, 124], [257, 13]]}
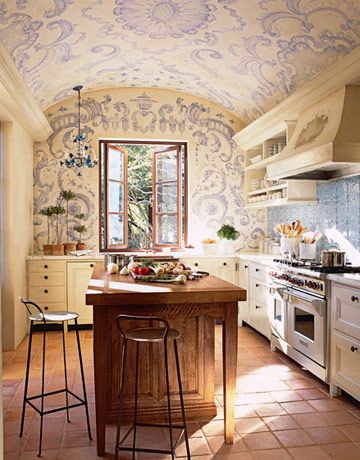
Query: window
{"points": [[142, 195]]}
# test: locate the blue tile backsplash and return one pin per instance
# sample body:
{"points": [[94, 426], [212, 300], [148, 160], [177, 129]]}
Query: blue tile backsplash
{"points": [[337, 215]]}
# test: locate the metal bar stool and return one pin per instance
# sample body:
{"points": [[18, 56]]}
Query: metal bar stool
{"points": [[58, 317], [149, 335]]}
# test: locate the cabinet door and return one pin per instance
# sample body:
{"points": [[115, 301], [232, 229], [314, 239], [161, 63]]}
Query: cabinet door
{"points": [[225, 269], [243, 282], [78, 278], [200, 263], [259, 317], [345, 363], [345, 309]]}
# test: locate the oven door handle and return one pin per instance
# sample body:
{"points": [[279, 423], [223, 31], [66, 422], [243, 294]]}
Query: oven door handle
{"points": [[281, 291], [318, 304]]}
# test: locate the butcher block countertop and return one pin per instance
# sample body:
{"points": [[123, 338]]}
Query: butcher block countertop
{"points": [[118, 289]]}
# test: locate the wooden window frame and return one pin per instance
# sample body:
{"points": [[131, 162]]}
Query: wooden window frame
{"points": [[182, 218]]}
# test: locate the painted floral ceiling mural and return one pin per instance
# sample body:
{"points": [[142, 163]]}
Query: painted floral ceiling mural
{"points": [[246, 55]]}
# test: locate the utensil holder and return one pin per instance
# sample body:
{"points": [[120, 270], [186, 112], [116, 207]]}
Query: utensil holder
{"points": [[289, 246], [307, 251]]}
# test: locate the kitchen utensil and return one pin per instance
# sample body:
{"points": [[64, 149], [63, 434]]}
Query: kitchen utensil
{"points": [[307, 251]]}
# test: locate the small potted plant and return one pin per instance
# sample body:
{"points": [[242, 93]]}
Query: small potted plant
{"points": [[228, 235], [48, 213], [58, 249], [67, 196], [80, 229]]}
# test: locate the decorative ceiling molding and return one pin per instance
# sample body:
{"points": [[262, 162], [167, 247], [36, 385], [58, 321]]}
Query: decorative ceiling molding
{"points": [[345, 72], [17, 102]]}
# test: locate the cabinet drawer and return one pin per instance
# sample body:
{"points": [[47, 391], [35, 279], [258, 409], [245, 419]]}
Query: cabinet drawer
{"points": [[46, 266], [258, 317], [345, 363], [47, 278], [345, 310], [47, 294], [258, 272], [258, 290], [199, 264], [52, 306]]}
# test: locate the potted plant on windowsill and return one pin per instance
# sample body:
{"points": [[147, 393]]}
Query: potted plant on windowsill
{"points": [[67, 196], [228, 236], [80, 229], [48, 213], [58, 249]]}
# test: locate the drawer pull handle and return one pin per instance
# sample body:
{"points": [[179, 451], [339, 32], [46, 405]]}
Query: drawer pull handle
{"points": [[305, 344], [45, 266], [257, 285], [45, 277], [46, 291], [354, 298], [196, 264], [246, 266], [257, 269], [224, 263], [46, 308], [354, 349], [91, 265], [257, 307]]}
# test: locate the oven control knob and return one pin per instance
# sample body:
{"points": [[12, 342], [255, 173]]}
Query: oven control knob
{"points": [[311, 284]]}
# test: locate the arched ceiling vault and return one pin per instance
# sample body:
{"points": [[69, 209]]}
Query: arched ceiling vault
{"points": [[246, 55]]}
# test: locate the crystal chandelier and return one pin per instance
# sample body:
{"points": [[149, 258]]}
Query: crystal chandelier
{"points": [[82, 157]]}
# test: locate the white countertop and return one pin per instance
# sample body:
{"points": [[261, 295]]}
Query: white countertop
{"points": [[350, 279], [94, 256]]}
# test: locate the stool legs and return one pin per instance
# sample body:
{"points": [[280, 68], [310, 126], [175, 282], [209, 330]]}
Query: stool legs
{"points": [[136, 398], [121, 398], [168, 399], [42, 389], [83, 379], [181, 399], [26, 380], [65, 373]]}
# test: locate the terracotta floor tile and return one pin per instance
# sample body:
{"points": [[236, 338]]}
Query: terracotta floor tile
{"points": [[213, 428], [250, 425], [327, 435], [244, 411], [341, 418], [281, 422], [286, 396], [351, 431], [218, 446], [259, 441], [297, 407], [312, 393], [236, 456], [345, 451], [269, 409], [312, 420], [324, 405], [76, 439], [198, 446], [310, 453], [273, 454], [293, 438]]}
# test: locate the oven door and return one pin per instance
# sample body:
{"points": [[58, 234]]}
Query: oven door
{"points": [[307, 325], [277, 310]]}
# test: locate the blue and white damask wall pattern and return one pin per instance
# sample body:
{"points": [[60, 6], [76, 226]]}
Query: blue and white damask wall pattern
{"points": [[246, 55], [216, 173]]}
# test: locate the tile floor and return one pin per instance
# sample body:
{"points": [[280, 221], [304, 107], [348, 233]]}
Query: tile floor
{"points": [[282, 411]]}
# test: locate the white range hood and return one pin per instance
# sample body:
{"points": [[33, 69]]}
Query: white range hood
{"points": [[326, 141]]}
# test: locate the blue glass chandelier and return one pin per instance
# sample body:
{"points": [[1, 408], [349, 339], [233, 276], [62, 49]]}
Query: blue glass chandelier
{"points": [[82, 157]]}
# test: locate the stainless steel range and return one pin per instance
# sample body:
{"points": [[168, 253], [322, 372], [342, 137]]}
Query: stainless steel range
{"points": [[299, 313]]}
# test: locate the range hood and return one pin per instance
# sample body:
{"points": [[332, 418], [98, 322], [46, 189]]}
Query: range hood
{"points": [[326, 140]]}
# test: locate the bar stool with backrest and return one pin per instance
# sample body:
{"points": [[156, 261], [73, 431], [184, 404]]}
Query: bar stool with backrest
{"points": [[149, 335], [35, 314]]}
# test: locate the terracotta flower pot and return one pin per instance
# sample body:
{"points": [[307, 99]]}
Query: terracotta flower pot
{"points": [[58, 250], [81, 246], [48, 249], [69, 247]]}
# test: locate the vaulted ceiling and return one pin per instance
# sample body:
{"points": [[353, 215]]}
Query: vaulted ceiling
{"points": [[246, 55]]}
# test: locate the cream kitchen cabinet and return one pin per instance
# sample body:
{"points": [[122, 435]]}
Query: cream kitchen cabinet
{"points": [[243, 282], [222, 267], [61, 284], [78, 278], [345, 339]]}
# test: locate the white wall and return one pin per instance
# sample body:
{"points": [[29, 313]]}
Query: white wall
{"points": [[16, 228]]}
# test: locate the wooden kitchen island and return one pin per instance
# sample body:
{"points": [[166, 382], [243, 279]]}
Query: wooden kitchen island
{"points": [[192, 309]]}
